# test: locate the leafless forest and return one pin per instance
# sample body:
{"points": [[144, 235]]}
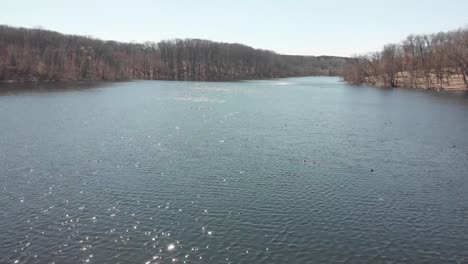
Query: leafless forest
{"points": [[42, 55], [420, 61]]}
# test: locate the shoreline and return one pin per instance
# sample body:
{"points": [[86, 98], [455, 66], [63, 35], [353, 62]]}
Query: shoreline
{"points": [[63, 81], [453, 83]]}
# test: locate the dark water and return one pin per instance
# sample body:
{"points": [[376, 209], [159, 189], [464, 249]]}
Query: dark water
{"points": [[251, 172]]}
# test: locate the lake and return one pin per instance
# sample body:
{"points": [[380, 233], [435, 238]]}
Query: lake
{"points": [[296, 170]]}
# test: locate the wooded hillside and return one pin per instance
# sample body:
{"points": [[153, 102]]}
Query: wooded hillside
{"points": [[37, 54]]}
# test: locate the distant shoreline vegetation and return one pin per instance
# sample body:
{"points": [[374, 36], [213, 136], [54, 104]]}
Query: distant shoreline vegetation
{"points": [[38, 55], [436, 61]]}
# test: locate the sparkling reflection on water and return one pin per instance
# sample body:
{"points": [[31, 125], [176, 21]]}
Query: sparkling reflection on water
{"points": [[300, 170]]}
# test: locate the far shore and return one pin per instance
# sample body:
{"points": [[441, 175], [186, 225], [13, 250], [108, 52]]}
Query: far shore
{"points": [[37, 81]]}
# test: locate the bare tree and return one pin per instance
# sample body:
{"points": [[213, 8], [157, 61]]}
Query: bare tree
{"points": [[428, 61]]}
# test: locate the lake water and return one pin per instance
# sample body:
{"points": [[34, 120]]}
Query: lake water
{"points": [[298, 170]]}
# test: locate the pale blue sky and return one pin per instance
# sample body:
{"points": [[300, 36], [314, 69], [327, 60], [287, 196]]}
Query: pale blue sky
{"points": [[328, 27]]}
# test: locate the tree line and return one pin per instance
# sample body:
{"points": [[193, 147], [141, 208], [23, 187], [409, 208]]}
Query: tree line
{"points": [[421, 61], [38, 55]]}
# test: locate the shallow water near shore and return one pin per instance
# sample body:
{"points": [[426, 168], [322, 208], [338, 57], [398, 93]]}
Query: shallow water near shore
{"points": [[298, 170]]}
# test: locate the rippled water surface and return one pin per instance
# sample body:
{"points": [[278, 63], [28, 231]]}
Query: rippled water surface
{"points": [[300, 170]]}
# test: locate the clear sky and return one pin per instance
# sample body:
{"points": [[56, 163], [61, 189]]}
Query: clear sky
{"points": [[324, 27]]}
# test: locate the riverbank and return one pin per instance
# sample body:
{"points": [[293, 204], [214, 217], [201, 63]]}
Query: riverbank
{"points": [[41, 81], [453, 82]]}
